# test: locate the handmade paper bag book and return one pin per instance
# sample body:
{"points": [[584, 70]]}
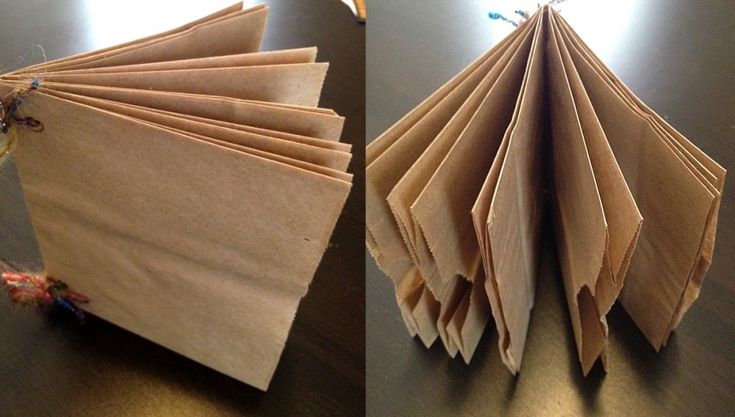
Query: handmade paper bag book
{"points": [[186, 184], [457, 191]]}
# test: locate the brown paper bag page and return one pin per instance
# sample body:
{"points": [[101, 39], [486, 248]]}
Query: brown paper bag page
{"points": [[238, 33], [480, 218], [453, 188], [314, 155], [423, 123], [448, 305], [471, 316], [240, 112], [231, 10], [286, 56], [92, 197], [293, 84], [675, 211], [387, 169], [711, 166], [408, 292], [515, 212], [621, 213], [580, 226], [708, 167], [296, 163], [410, 186], [307, 140], [385, 140]]}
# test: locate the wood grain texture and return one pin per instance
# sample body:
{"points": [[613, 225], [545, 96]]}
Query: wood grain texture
{"points": [[100, 369], [675, 57]]}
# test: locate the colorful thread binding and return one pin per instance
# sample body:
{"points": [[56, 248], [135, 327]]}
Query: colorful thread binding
{"points": [[8, 106], [524, 14], [43, 291]]}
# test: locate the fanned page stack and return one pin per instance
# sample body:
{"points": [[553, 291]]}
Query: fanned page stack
{"points": [[457, 191], [186, 183]]}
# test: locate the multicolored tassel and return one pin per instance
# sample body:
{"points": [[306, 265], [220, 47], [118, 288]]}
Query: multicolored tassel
{"points": [[43, 291], [8, 107]]}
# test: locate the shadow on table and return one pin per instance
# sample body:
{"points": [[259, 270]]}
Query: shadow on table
{"points": [[156, 368]]}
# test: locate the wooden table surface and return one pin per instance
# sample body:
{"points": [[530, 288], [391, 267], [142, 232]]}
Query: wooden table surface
{"points": [[52, 368], [678, 57]]}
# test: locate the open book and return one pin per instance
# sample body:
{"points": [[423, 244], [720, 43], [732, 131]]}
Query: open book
{"points": [[457, 191], [185, 182]]}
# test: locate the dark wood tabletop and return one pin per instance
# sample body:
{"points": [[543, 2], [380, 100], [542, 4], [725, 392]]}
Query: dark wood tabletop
{"points": [[57, 368], [677, 56]]}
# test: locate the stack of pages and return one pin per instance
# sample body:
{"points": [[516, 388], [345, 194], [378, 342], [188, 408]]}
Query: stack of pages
{"points": [[458, 190], [185, 182]]}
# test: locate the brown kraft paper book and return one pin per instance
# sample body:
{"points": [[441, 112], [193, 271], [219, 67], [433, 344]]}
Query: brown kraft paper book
{"points": [[457, 190], [187, 183]]}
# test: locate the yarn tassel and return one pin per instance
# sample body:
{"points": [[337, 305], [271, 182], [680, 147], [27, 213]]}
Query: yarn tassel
{"points": [[44, 291], [8, 108]]}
